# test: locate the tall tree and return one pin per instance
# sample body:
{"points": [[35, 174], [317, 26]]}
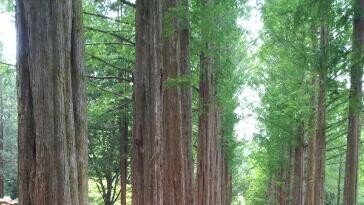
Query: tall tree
{"points": [[207, 119], [338, 197], [177, 127], [213, 176], [186, 95], [310, 164], [147, 170], [319, 184], [124, 138], [52, 104], [161, 166], [298, 176], [355, 106]]}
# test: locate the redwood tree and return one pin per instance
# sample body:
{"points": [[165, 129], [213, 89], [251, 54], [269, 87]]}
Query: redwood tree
{"points": [[161, 164], [147, 167], [213, 178], [298, 176], [355, 106], [177, 127], [52, 104], [319, 189]]}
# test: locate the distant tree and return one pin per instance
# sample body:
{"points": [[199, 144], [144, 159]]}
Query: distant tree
{"points": [[355, 107]]}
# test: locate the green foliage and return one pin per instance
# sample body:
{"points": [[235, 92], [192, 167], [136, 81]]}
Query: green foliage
{"points": [[109, 65], [227, 49], [7, 5], [10, 152], [284, 71], [175, 18]]}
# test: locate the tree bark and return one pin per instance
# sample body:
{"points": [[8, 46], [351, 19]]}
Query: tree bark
{"points": [[319, 189], [186, 95], [310, 173], [207, 136], [213, 178], [338, 199], [290, 179], [162, 128], [124, 138], [280, 183], [355, 107], [298, 179], [147, 170], [52, 104], [177, 129]]}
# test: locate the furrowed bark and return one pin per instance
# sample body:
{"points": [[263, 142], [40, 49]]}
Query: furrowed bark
{"points": [[162, 126], [186, 94], [319, 190], [310, 173], [298, 179], [355, 107], [124, 138], [52, 104], [177, 102], [147, 169]]}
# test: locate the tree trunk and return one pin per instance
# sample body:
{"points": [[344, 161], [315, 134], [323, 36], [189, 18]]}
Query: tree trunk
{"points": [[338, 199], [162, 128], [52, 104], [281, 193], [291, 175], [355, 107], [213, 178], [2, 127], [177, 130], [147, 170], [298, 179], [319, 189], [271, 192], [124, 138], [310, 173], [186, 104], [207, 136]]}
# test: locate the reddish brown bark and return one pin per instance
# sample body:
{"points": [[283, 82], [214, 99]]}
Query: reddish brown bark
{"points": [[355, 107], [281, 194], [176, 127], [310, 169], [290, 178], [320, 144], [52, 104], [147, 170], [213, 178], [124, 138], [298, 176], [206, 132], [186, 104], [161, 167]]}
